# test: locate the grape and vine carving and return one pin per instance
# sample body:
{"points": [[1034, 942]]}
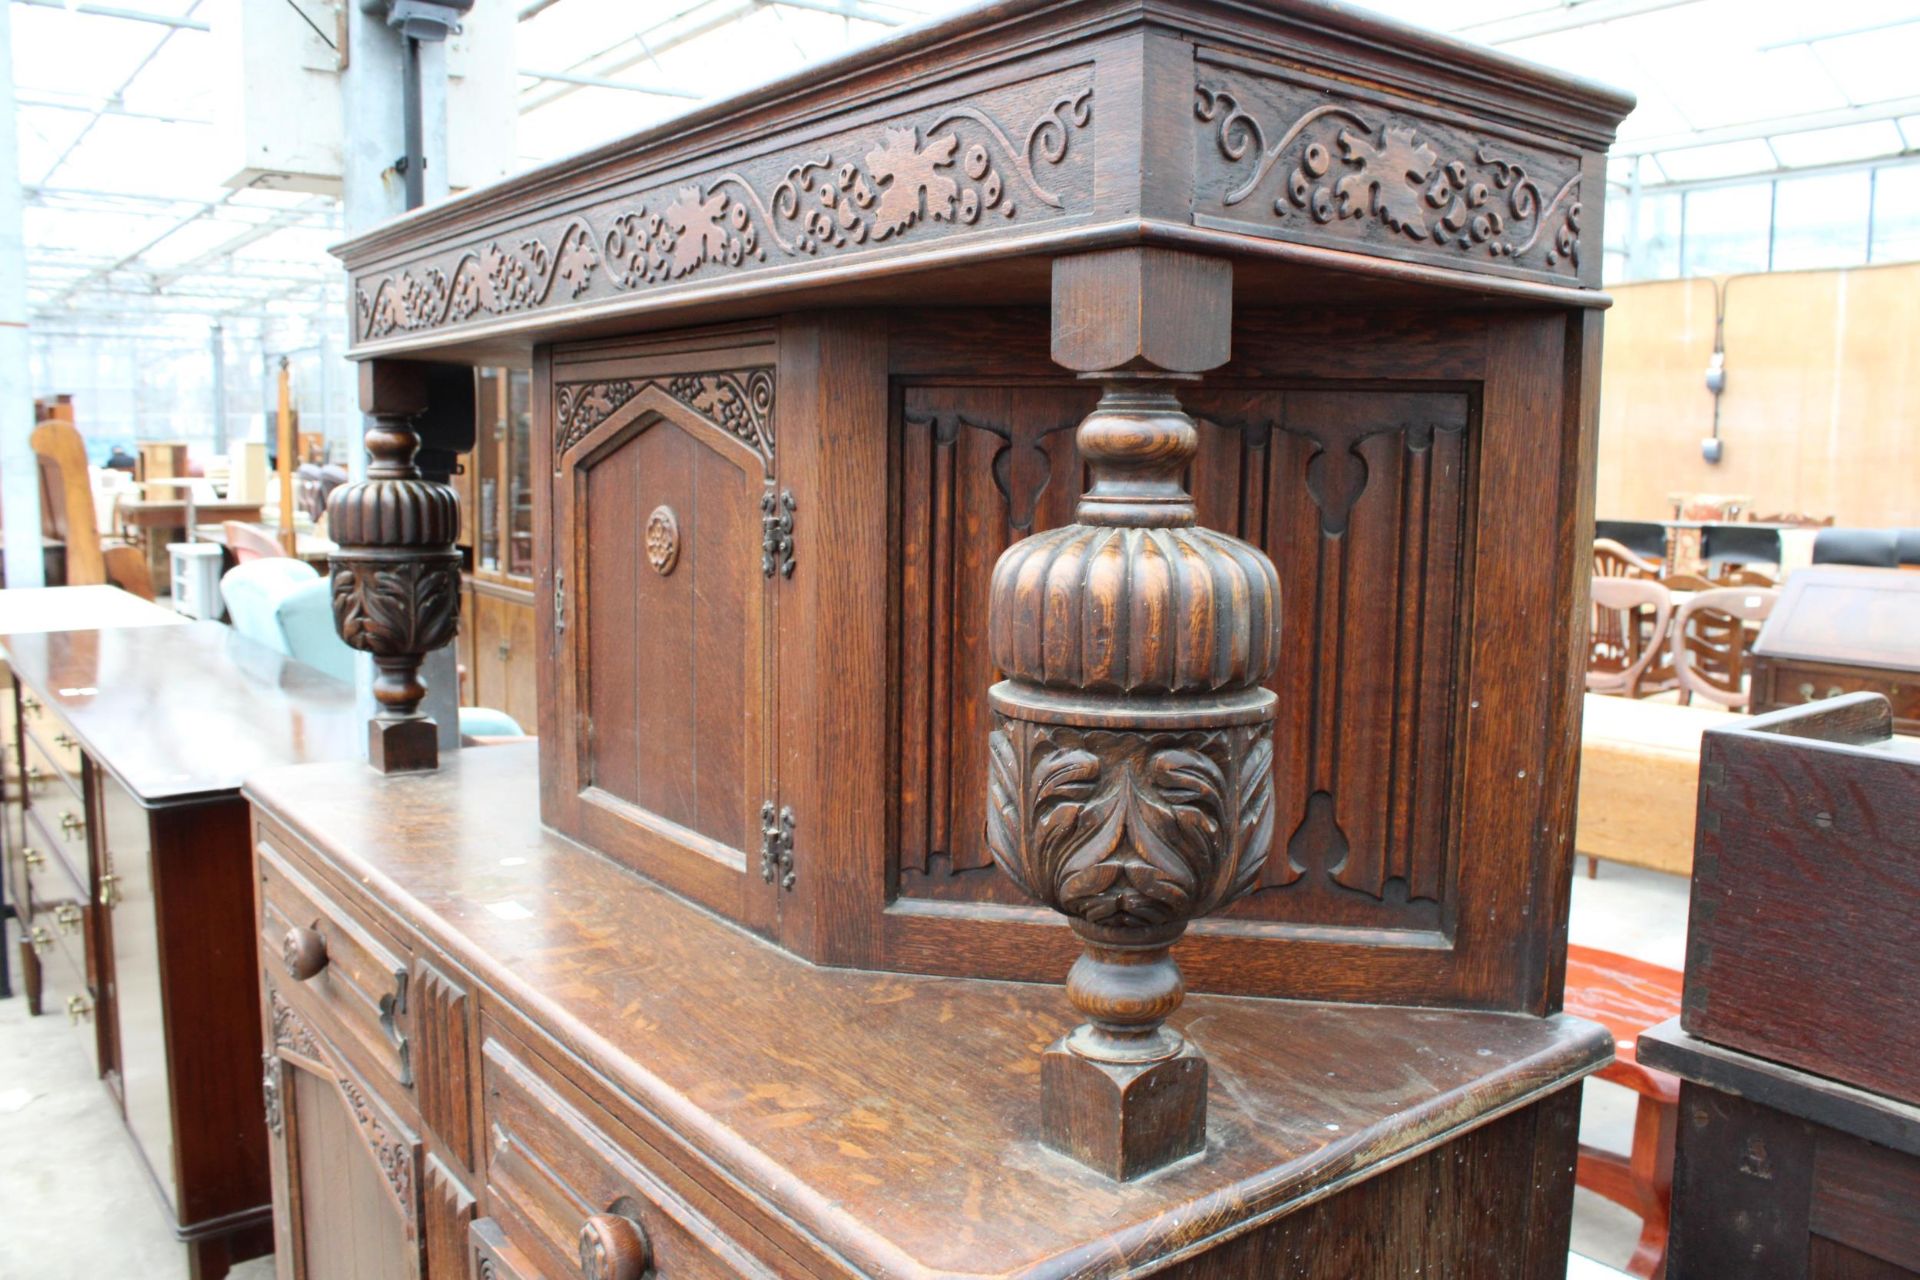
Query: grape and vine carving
{"points": [[1344, 168], [958, 166], [738, 402], [1130, 830]]}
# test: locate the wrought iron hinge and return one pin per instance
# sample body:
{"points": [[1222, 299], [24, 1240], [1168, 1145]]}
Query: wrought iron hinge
{"points": [[776, 533], [776, 844], [559, 602]]}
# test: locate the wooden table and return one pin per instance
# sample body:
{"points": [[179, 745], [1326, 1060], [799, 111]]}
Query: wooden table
{"points": [[159, 519], [45, 609], [1842, 629], [134, 877], [1627, 996], [1639, 780]]}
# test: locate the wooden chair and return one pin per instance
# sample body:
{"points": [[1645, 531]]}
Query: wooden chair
{"points": [[1618, 654], [67, 514], [1612, 560], [1627, 996], [1660, 675], [1711, 639], [249, 542], [1746, 578]]}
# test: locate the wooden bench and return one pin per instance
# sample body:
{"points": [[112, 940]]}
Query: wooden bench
{"points": [[1627, 996]]}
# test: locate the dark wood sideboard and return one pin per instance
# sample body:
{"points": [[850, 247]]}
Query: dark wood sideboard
{"points": [[130, 864], [1840, 629], [1798, 1156], [1258, 347]]}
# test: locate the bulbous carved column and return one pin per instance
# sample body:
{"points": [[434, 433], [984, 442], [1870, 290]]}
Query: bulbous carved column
{"points": [[1130, 782], [396, 574]]}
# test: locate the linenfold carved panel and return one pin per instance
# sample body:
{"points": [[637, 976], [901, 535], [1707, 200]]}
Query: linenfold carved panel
{"points": [[1288, 159], [1017, 154], [1362, 499]]}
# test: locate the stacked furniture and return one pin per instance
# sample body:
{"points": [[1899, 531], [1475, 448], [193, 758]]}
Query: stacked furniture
{"points": [[1264, 345], [1797, 1046], [131, 866]]}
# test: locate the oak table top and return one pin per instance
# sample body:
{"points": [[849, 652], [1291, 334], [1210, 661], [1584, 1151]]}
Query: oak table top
{"points": [[24, 610], [696, 1021], [183, 711]]}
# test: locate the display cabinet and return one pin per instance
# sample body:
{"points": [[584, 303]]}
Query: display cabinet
{"points": [[496, 642], [1089, 492]]}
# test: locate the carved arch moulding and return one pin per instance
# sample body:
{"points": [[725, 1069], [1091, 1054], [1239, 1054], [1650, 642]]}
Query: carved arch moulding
{"points": [[1010, 156], [1294, 161], [736, 402]]}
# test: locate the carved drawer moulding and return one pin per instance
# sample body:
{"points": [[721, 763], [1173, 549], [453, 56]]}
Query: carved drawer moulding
{"points": [[1481, 181]]}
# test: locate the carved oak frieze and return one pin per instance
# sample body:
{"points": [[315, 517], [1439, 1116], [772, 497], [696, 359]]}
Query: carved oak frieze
{"points": [[1281, 160], [1014, 154], [738, 402]]}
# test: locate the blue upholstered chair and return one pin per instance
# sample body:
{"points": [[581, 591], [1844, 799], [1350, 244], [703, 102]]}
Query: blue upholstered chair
{"points": [[286, 605]]}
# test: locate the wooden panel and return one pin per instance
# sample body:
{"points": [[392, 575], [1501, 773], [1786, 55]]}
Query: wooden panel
{"points": [[348, 1227], [1867, 1198], [438, 1011], [1361, 498], [1806, 879], [137, 1004], [446, 1213], [1816, 414], [1742, 1178]]}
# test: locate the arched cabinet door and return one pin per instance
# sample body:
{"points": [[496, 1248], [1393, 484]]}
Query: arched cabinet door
{"points": [[664, 567], [346, 1171]]}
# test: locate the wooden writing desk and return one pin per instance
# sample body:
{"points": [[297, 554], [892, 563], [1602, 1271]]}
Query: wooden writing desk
{"points": [[1842, 629], [132, 873]]}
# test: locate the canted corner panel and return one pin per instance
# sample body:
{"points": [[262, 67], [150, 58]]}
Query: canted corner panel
{"points": [[1287, 156], [1004, 158], [1362, 498], [441, 1063]]}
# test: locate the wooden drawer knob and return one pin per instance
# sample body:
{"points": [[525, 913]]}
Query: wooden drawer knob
{"points": [[613, 1248], [304, 952]]}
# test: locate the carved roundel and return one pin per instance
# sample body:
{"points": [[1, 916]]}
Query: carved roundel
{"points": [[663, 540]]}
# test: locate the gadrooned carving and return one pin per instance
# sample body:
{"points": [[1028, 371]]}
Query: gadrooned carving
{"points": [[1349, 165], [956, 165]]}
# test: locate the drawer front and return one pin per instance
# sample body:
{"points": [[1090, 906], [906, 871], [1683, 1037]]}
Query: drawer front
{"points": [[56, 934], [51, 780], [561, 1177], [339, 968], [56, 872], [52, 732], [492, 1257]]}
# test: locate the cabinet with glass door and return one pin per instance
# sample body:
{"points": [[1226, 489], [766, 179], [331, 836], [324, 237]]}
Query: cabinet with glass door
{"points": [[496, 532]]}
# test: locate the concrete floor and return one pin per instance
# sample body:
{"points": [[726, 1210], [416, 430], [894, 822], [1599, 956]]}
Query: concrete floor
{"points": [[74, 1199]]}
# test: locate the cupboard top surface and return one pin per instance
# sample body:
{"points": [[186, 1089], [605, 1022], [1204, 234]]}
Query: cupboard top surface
{"points": [[948, 164], [894, 1117], [187, 710]]}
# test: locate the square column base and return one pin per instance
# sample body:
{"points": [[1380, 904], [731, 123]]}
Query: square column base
{"points": [[1123, 1119], [403, 746]]}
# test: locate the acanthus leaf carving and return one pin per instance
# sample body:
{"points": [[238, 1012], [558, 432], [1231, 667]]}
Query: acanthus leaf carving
{"points": [[952, 167]]}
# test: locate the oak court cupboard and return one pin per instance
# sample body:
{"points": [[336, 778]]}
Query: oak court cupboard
{"points": [[1082, 491]]}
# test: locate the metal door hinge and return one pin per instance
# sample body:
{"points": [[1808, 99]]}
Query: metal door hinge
{"points": [[776, 844], [559, 602], [776, 533]]}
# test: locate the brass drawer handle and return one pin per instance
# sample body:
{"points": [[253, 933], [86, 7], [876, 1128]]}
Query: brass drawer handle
{"points": [[108, 894], [34, 859], [64, 741], [79, 1007], [71, 826], [39, 940], [68, 918], [304, 952], [613, 1247], [29, 705], [35, 775]]}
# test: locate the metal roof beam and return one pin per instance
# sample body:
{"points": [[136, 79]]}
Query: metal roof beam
{"points": [[662, 36], [605, 82], [1805, 122], [125, 15], [1571, 15], [858, 10]]}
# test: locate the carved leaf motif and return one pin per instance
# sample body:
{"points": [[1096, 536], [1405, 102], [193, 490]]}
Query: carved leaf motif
{"points": [[385, 610], [1392, 177], [699, 234], [910, 172]]}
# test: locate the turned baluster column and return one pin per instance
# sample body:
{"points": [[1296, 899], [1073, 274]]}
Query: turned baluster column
{"points": [[1131, 758], [396, 575]]}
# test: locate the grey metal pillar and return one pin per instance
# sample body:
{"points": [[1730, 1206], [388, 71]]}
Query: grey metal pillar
{"points": [[19, 470]]}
